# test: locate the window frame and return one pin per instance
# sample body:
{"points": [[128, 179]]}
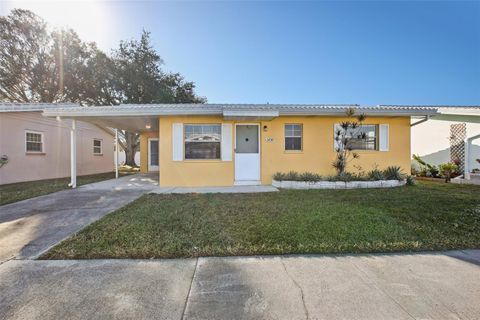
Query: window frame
{"points": [[184, 142], [101, 147], [377, 132], [42, 142], [285, 137]]}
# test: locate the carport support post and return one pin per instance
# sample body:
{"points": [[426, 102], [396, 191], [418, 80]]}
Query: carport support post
{"points": [[73, 155], [116, 154]]}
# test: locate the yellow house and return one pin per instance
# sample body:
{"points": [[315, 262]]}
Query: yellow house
{"points": [[228, 144]]}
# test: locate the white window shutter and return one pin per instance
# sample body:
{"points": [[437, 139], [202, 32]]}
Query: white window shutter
{"points": [[226, 147], [177, 141], [383, 144]]}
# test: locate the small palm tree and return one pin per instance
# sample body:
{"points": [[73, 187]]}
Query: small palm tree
{"points": [[348, 132], [447, 170]]}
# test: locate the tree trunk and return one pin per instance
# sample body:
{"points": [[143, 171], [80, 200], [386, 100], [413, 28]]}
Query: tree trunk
{"points": [[130, 158], [131, 148]]}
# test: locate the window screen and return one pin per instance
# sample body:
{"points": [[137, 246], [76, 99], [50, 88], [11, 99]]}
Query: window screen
{"points": [[293, 137], [97, 146], [34, 142], [202, 141], [362, 138], [246, 139]]}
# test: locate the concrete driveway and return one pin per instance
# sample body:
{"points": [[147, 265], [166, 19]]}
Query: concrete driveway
{"points": [[397, 286], [29, 227]]}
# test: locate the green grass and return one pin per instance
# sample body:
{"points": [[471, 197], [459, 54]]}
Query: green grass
{"points": [[14, 192], [429, 216]]}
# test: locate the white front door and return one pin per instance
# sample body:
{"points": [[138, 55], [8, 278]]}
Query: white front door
{"points": [[153, 155], [247, 154]]}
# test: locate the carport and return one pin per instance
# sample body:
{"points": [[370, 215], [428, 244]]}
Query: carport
{"points": [[138, 119]]}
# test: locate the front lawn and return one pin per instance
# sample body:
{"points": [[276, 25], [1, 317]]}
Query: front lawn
{"points": [[429, 216], [25, 190]]}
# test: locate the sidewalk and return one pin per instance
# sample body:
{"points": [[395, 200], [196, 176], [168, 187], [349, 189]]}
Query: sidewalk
{"points": [[393, 286]]}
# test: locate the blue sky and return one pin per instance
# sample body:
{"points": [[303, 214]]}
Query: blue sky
{"points": [[405, 52]]}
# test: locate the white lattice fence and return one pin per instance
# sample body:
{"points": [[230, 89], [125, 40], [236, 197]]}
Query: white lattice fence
{"points": [[458, 134]]}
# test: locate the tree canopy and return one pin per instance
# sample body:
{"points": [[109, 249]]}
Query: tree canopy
{"points": [[42, 65]]}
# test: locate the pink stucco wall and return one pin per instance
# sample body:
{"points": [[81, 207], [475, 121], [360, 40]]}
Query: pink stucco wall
{"points": [[55, 162]]}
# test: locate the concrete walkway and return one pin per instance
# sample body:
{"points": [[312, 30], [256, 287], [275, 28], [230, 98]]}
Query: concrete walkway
{"points": [[29, 227], [397, 286]]}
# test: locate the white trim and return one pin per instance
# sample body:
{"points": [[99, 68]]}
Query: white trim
{"points": [[250, 114], [249, 182], [42, 141], [285, 136], [152, 168], [101, 147], [251, 109]]}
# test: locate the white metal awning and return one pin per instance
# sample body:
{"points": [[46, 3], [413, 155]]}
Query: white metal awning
{"points": [[249, 115], [460, 114]]}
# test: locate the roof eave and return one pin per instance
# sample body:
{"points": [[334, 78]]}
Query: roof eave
{"points": [[199, 112]]}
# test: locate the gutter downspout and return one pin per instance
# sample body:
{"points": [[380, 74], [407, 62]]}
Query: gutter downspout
{"points": [[420, 121]]}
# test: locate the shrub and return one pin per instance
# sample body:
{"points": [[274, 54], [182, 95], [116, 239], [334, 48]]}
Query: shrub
{"points": [[310, 176], [295, 176], [375, 175], [447, 170], [279, 176], [426, 169], [393, 173], [345, 176], [292, 176], [411, 181]]}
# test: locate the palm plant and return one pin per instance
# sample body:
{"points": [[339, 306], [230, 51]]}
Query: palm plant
{"points": [[447, 170], [348, 132]]}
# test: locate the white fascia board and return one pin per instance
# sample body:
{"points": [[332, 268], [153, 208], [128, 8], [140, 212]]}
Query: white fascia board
{"points": [[162, 111], [385, 113], [249, 114], [126, 113]]}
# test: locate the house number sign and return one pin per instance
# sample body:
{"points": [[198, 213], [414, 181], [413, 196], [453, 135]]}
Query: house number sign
{"points": [[268, 139]]}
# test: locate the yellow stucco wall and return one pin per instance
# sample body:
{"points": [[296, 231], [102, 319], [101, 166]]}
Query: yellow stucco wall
{"points": [[144, 149], [318, 148], [191, 172], [317, 154]]}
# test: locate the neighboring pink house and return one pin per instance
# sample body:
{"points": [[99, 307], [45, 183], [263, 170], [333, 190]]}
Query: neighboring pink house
{"points": [[38, 147]]}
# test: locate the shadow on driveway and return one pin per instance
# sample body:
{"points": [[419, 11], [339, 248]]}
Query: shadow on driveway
{"points": [[29, 227]]}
